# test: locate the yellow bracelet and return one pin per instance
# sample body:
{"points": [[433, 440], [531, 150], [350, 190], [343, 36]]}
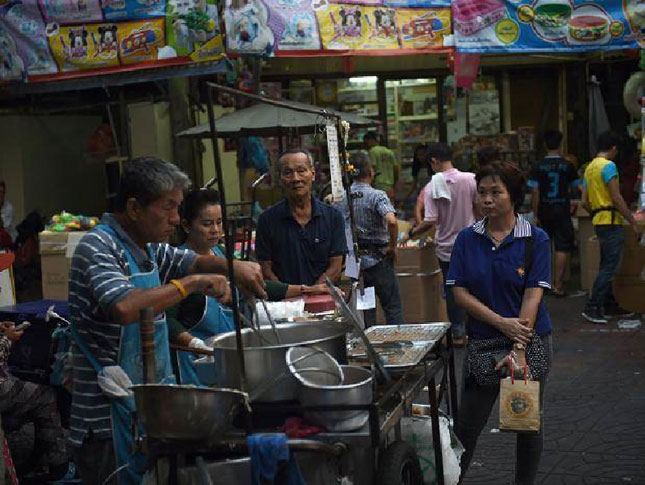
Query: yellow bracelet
{"points": [[180, 287]]}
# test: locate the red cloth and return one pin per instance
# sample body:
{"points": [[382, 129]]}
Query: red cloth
{"points": [[5, 239], [298, 428]]}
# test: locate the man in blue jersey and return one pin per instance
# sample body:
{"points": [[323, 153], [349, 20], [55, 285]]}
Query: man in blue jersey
{"points": [[551, 180], [119, 268]]}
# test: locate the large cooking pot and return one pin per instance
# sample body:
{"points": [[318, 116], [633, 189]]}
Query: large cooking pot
{"points": [[265, 362], [171, 412]]}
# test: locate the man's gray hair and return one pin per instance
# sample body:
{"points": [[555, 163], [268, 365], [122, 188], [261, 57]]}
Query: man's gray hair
{"points": [[146, 179], [295, 151]]}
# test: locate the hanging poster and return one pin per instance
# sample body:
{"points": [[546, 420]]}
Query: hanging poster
{"points": [[91, 46], [140, 41], [423, 28], [293, 23], [342, 26], [26, 29], [71, 11], [247, 28], [544, 25], [135, 9], [381, 28]]}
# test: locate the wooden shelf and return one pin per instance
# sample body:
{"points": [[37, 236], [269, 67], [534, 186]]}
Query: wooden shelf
{"points": [[429, 116]]}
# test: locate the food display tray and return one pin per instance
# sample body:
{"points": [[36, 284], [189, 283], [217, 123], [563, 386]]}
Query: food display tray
{"points": [[399, 346]]}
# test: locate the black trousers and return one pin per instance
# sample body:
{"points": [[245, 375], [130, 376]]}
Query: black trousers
{"points": [[474, 410], [386, 286]]}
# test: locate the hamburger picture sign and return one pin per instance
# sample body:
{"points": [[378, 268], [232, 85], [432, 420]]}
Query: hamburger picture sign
{"points": [[545, 25]]}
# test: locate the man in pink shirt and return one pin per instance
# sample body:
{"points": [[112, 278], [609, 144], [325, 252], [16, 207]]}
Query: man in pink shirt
{"points": [[449, 200]]}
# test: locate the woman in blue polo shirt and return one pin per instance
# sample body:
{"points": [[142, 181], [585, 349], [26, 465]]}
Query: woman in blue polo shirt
{"points": [[489, 280]]}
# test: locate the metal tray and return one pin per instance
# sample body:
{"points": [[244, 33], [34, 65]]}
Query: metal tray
{"points": [[400, 346]]}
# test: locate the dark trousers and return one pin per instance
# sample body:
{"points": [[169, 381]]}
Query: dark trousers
{"points": [[474, 410], [386, 285], [612, 241], [456, 314], [27, 402], [95, 461]]}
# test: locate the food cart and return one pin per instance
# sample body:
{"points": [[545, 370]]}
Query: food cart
{"points": [[202, 433]]}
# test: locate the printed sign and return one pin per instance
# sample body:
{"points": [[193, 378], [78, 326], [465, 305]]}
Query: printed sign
{"points": [[546, 25]]}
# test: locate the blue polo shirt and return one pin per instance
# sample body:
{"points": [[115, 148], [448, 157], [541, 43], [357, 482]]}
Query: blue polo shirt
{"points": [[299, 255], [495, 275]]}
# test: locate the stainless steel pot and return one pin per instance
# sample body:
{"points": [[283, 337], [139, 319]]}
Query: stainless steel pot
{"points": [[171, 412], [355, 389], [265, 362]]}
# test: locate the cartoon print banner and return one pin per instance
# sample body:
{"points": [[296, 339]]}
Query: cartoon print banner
{"points": [[50, 37], [270, 27], [547, 25]]}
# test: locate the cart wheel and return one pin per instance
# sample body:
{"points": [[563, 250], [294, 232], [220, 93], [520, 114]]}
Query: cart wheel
{"points": [[399, 464]]}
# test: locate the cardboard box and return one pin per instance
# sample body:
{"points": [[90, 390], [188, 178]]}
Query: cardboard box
{"points": [[56, 250], [421, 297], [416, 260]]}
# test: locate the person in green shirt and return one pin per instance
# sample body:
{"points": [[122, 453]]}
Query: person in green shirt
{"points": [[385, 164], [198, 317]]}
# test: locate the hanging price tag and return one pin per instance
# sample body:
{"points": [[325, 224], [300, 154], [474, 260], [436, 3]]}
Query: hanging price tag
{"points": [[336, 173]]}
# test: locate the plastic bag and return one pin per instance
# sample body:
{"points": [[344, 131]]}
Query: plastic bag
{"points": [[114, 382], [417, 430], [280, 310]]}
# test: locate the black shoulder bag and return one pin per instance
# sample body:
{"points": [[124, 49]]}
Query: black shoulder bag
{"points": [[484, 354]]}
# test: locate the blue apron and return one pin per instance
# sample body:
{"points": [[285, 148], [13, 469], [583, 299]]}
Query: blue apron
{"points": [[216, 319], [131, 361]]}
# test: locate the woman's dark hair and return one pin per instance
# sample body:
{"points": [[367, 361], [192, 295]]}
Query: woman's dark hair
{"points": [[487, 155], [510, 175], [196, 200]]}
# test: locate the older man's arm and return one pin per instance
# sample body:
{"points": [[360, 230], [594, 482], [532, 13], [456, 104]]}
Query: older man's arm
{"points": [[334, 268], [267, 271]]}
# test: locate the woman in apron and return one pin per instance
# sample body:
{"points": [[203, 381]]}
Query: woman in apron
{"points": [[200, 317]]}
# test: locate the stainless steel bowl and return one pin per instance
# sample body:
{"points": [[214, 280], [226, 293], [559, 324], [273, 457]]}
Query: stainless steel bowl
{"points": [[302, 360], [171, 412], [356, 389], [266, 362]]}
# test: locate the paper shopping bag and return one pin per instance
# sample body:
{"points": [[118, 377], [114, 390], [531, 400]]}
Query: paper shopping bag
{"points": [[519, 405]]}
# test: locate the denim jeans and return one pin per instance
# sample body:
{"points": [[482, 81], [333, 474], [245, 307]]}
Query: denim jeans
{"points": [[475, 407], [456, 314], [386, 285], [612, 241]]}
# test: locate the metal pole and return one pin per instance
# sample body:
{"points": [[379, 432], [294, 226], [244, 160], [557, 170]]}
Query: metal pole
{"points": [[227, 234], [271, 101]]}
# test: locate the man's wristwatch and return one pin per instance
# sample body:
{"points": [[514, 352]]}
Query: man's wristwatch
{"points": [[302, 289]]}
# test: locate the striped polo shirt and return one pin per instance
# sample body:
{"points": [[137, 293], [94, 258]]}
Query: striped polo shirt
{"points": [[99, 278]]}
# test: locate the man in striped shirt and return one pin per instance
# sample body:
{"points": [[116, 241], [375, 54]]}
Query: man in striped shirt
{"points": [[105, 297]]}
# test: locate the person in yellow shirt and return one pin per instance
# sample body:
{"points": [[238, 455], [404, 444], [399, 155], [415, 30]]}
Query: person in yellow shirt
{"points": [[385, 164], [601, 197]]}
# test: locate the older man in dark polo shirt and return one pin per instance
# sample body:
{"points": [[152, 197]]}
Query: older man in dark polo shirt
{"points": [[300, 240]]}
